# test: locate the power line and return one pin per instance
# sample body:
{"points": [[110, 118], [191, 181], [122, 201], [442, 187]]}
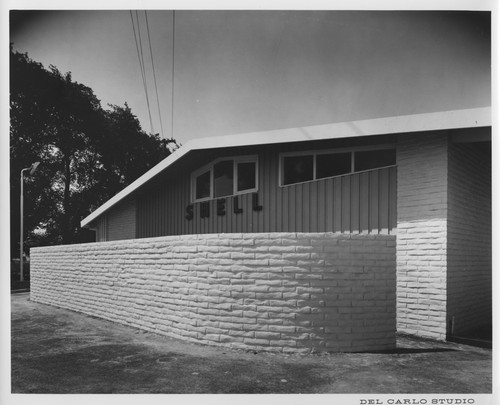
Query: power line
{"points": [[144, 71], [154, 72], [173, 67], [138, 44]]}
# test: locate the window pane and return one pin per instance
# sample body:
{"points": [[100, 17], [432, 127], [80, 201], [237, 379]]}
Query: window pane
{"points": [[332, 164], [297, 169], [246, 176], [372, 159], [203, 185], [223, 178]]}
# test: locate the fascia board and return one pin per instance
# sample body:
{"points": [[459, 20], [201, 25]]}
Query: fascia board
{"points": [[169, 160]]}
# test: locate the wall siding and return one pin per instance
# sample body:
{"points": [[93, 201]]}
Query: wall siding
{"points": [[101, 227], [121, 222], [283, 292], [355, 203], [422, 234], [469, 280]]}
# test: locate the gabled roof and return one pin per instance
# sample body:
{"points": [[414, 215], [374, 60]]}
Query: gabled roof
{"points": [[475, 117]]}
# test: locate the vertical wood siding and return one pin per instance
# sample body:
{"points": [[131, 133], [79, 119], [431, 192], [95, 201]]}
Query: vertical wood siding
{"points": [[102, 229], [121, 222], [355, 203]]}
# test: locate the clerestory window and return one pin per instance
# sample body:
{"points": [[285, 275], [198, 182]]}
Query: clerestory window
{"points": [[225, 177], [308, 166]]}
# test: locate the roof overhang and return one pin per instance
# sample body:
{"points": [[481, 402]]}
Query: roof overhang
{"points": [[468, 118]]}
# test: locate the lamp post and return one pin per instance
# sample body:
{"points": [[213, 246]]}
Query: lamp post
{"points": [[32, 170]]}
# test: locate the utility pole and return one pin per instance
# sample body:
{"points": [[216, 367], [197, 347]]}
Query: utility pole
{"points": [[32, 169]]}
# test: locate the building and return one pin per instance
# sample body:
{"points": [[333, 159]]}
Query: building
{"points": [[378, 222], [327, 237]]}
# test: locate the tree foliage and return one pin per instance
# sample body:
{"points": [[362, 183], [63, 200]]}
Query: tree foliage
{"points": [[87, 153]]}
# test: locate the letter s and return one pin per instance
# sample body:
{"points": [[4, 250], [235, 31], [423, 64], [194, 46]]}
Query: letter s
{"points": [[189, 212]]}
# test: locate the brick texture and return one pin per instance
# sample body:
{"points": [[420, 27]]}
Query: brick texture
{"points": [[120, 223], [282, 292], [422, 161], [469, 238]]}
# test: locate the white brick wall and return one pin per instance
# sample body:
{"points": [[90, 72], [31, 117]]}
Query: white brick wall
{"points": [[276, 291], [422, 234]]}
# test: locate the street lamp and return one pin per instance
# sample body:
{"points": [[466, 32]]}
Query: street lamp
{"points": [[32, 170]]}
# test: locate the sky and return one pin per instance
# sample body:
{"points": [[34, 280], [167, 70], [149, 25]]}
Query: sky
{"points": [[247, 71]]}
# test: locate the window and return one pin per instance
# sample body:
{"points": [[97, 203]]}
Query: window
{"points": [[203, 185], [332, 164], [247, 176], [371, 159], [297, 169], [302, 167], [225, 177]]}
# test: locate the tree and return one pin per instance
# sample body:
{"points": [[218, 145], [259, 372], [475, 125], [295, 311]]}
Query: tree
{"points": [[127, 150], [88, 154]]}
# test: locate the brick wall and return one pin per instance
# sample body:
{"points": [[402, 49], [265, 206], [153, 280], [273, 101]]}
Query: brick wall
{"points": [[121, 221], [469, 238], [268, 291], [421, 234]]}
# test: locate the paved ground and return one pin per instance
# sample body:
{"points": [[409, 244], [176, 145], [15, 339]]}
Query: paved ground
{"points": [[60, 351]]}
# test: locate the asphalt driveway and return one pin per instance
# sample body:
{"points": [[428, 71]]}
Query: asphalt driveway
{"points": [[60, 351]]}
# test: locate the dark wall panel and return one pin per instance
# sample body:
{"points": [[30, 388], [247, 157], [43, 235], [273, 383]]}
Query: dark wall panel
{"points": [[121, 222]]}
